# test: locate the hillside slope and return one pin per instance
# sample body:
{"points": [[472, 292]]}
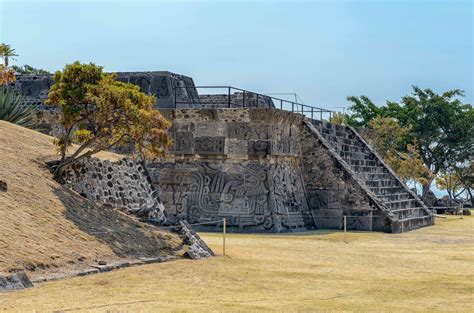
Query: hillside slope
{"points": [[46, 227]]}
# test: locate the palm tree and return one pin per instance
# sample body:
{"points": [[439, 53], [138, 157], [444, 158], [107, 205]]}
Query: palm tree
{"points": [[12, 109], [7, 52]]}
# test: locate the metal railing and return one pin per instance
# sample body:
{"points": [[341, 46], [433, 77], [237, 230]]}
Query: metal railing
{"points": [[233, 97]]}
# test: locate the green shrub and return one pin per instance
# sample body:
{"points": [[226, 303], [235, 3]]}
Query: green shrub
{"points": [[12, 110]]}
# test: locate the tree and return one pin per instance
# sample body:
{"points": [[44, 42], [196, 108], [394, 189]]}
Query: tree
{"points": [[442, 128], [338, 118], [390, 143], [7, 52], [363, 111], [98, 112], [457, 181], [7, 75], [27, 69]]}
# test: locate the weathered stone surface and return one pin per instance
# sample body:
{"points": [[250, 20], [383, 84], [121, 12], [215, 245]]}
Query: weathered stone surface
{"points": [[166, 86], [236, 100], [198, 249], [123, 184], [15, 282]]}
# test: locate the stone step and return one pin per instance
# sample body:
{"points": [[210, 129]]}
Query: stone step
{"points": [[409, 212], [388, 190], [358, 162], [401, 204], [352, 148], [379, 176], [411, 223], [357, 155], [394, 196], [383, 183], [365, 170]]}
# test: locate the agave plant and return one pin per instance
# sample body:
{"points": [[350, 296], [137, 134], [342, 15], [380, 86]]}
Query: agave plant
{"points": [[12, 109]]}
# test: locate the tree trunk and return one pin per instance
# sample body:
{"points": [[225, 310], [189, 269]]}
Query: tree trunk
{"points": [[425, 189]]}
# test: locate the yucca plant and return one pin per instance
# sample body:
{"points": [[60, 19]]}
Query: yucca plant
{"points": [[12, 109]]}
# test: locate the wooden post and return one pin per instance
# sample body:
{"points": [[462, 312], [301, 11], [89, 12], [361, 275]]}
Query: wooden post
{"points": [[223, 238], [345, 223], [371, 220]]}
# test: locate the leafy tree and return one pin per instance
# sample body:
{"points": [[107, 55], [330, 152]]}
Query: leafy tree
{"points": [[389, 141], [338, 118], [363, 111], [99, 112], [27, 69], [442, 128], [12, 110], [7, 52], [457, 181], [7, 75]]}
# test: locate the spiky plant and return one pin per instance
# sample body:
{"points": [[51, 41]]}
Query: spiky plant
{"points": [[12, 110]]}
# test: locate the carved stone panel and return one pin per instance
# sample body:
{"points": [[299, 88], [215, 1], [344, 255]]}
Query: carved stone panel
{"points": [[182, 143], [209, 145], [258, 147]]}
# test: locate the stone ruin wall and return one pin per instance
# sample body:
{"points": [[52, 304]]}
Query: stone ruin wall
{"points": [[124, 184], [239, 164], [261, 169], [161, 84]]}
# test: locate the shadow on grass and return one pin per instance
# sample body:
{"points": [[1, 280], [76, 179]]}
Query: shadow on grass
{"points": [[124, 235]]}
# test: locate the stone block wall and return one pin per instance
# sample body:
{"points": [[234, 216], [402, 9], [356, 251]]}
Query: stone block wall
{"points": [[241, 164], [124, 184], [237, 100]]}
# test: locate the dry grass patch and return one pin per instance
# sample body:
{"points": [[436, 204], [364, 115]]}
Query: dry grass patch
{"points": [[430, 269], [46, 227]]}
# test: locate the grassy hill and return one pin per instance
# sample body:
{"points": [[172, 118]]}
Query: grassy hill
{"points": [[46, 227]]}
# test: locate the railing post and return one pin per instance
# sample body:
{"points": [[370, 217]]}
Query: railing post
{"points": [[257, 101], [175, 103], [281, 104], [292, 107], [330, 117], [311, 112], [302, 109], [321, 115], [228, 98], [243, 100], [224, 225]]}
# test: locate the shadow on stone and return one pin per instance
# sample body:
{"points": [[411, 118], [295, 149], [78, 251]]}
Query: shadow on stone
{"points": [[124, 235]]}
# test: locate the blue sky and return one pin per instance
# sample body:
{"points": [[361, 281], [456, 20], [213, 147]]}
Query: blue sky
{"points": [[322, 50]]}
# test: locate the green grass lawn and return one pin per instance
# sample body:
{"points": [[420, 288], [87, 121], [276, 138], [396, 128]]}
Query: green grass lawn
{"points": [[430, 269]]}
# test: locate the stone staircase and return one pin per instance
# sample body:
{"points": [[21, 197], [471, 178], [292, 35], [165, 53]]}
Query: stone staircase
{"points": [[404, 209]]}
